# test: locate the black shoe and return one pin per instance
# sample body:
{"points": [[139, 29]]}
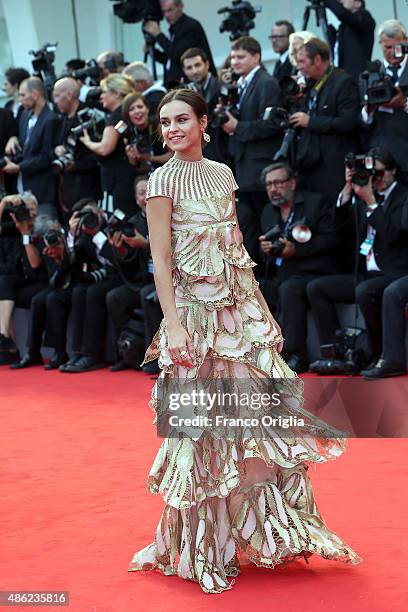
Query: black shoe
{"points": [[151, 368], [73, 361], [384, 369], [29, 359], [57, 360], [297, 364], [84, 364], [7, 344], [119, 366], [9, 357]]}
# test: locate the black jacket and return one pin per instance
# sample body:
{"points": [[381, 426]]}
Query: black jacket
{"points": [[332, 132], [133, 268], [13, 256], [355, 35], [391, 240], [315, 256], [38, 153], [256, 141], [284, 69], [8, 128], [390, 130], [187, 33]]}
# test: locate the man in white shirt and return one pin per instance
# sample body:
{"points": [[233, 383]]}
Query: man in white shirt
{"points": [[387, 124], [382, 251]]}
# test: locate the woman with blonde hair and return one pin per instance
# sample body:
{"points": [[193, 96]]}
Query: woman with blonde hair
{"points": [[297, 40], [117, 175]]}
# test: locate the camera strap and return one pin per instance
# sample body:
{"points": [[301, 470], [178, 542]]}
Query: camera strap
{"points": [[314, 93]]}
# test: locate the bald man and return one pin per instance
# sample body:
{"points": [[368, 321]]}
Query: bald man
{"points": [[37, 133], [79, 171]]}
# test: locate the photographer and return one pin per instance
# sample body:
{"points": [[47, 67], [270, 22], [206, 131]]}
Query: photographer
{"points": [[255, 141], [196, 68], [117, 174], [77, 167], [300, 249], [8, 129], [328, 128], [143, 149], [91, 255], [13, 77], [142, 78], [376, 207], [38, 127], [110, 62], [131, 257], [23, 273], [387, 124], [279, 37], [184, 32], [352, 44]]}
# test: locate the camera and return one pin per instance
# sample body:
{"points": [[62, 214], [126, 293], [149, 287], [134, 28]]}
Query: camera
{"points": [[362, 166], [60, 164], [88, 218], [299, 231], [91, 119], [132, 11], [400, 50], [52, 237], [133, 136], [345, 356], [228, 99], [274, 235], [91, 70], [20, 211], [16, 159], [240, 18], [118, 222], [43, 64], [376, 86]]}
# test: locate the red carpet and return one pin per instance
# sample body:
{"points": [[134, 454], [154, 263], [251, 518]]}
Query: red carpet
{"points": [[74, 458]]}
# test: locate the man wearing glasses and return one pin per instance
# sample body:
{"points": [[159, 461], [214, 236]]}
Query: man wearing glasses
{"points": [[300, 250], [279, 38]]}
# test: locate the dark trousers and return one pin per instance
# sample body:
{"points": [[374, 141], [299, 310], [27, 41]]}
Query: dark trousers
{"points": [[58, 306], [292, 305], [36, 322], [152, 313], [19, 289], [394, 322], [120, 303], [325, 292], [249, 208], [89, 318]]}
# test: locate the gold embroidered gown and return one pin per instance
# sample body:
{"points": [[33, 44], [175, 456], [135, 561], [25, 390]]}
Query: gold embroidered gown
{"points": [[226, 494]]}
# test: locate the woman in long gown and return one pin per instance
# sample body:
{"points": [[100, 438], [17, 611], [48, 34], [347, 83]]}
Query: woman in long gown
{"points": [[249, 491]]}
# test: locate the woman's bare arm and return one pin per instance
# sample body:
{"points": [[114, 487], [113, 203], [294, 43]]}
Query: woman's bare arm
{"points": [[106, 146], [159, 221]]}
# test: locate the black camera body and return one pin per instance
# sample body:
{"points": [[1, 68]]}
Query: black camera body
{"points": [[133, 136], [16, 159], [362, 166], [133, 11], [88, 218], [376, 86], [119, 222], [345, 356], [274, 235], [228, 99], [240, 19], [52, 237], [61, 163], [21, 212], [91, 119]]}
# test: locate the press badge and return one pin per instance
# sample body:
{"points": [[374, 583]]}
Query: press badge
{"points": [[278, 261], [366, 246]]}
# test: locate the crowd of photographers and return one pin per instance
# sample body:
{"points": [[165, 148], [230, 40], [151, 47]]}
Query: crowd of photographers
{"points": [[320, 152]]}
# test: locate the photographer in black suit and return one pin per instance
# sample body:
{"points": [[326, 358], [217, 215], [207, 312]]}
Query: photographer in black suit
{"points": [[352, 44], [184, 32], [79, 177], [196, 68], [387, 124], [383, 248], [292, 264], [328, 128], [279, 37], [37, 133], [254, 140]]}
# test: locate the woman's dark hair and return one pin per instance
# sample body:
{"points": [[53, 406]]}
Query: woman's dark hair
{"points": [[15, 76], [129, 100], [192, 98]]}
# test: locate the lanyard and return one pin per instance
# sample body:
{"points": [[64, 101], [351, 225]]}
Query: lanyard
{"points": [[312, 103]]}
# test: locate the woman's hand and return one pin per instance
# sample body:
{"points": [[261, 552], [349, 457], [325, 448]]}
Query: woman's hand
{"points": [[180, 347], [133, 154], [268, 313]]}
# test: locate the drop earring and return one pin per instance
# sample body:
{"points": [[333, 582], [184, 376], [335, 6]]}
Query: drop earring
{"points": [[207, 137], [164, 144]]}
